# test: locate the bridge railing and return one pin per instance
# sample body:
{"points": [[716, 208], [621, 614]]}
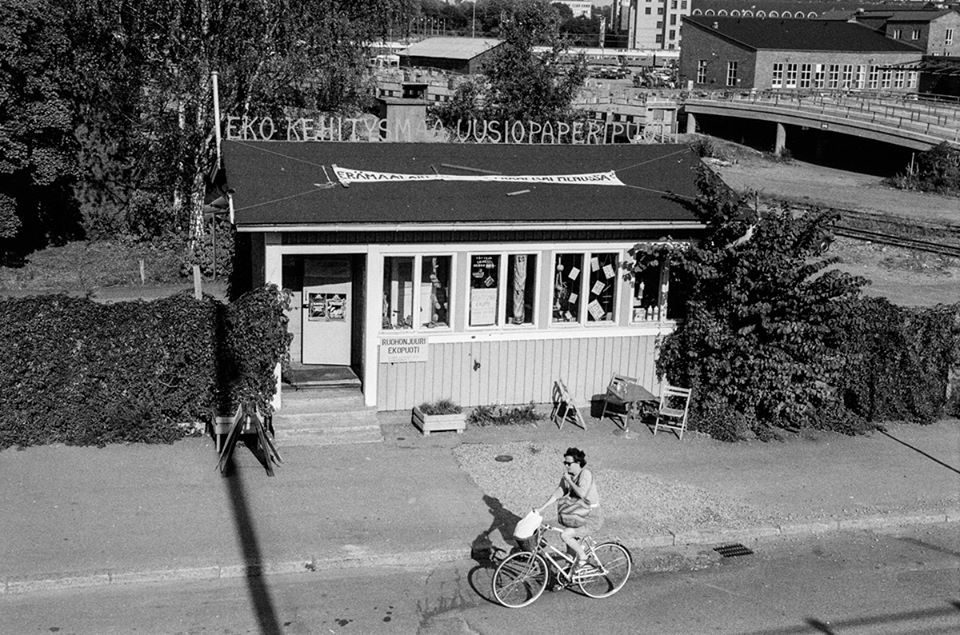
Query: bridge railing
{"points": [[939, 119]]}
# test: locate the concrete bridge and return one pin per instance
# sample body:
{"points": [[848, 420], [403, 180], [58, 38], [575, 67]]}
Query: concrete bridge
{"points": [[911, 123]]}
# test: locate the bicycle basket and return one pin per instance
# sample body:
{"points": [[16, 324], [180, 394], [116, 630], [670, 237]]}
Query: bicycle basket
{"points": [[527, 526]]}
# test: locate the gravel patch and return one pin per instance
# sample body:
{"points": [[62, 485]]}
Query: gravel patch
{"points": [[650, 503]]}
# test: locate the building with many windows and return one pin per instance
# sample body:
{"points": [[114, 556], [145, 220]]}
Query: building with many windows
{"points": [[751, 53], [934, 31], [655, 24]]}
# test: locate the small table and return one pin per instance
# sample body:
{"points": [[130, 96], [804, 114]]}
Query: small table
{"points": [[635, 397]]}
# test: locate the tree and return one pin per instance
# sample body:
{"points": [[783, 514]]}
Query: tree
{"points": [[519, 84], [36, 143], [106, 105], [765, 317]]}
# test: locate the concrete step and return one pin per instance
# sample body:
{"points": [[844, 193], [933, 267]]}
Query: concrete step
{"points": [[342, 419], [332, 435], [322, 400], [325, 416]]}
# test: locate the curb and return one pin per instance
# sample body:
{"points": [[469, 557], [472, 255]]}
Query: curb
{"points": [[18, 585]]}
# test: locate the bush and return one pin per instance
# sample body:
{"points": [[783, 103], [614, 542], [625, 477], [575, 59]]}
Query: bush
{"points": [[936, 170], [441, 407], [83, 373], [504, 416], [718, 418], [898, 360]]}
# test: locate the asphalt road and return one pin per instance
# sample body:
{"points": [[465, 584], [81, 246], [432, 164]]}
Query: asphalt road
{"points": [[907, 581]]}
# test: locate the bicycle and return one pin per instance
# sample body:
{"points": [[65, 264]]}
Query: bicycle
{"points": [[522, 576]]}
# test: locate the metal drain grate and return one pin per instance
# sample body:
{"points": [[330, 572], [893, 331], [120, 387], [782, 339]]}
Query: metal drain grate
{"points": [[729, 551]]}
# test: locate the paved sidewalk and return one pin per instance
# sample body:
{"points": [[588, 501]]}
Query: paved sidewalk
{"points": [[124, 514]]}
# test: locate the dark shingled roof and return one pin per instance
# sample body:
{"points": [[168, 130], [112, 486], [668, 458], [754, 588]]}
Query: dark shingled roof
{"points": [[280, 183], [800, 35], [895, 15]]}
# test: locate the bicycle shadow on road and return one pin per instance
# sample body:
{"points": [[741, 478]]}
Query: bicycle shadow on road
{"points": [[486, 549]]}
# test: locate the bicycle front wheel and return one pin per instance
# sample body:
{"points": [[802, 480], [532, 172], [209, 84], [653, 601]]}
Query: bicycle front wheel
{"points": [[605, 580], [520, 579]]}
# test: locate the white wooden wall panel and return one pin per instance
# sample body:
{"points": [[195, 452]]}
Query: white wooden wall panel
{"points": [[515, 371]]}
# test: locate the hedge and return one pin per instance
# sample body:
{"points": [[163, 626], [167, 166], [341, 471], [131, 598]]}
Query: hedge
{"points": [[899, 361], [83, 373]]}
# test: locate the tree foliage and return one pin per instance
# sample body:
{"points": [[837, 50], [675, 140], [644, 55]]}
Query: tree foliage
{"points": [[106, 119], [37, 160], [519, 84], [936, 170], [765, 316]]}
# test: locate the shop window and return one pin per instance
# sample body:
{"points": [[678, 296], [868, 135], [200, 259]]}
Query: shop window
{"points": [[602, 288], [435, 291], [521, 288], [398, 292], [484, 290], [658, 294], [566, 287]]}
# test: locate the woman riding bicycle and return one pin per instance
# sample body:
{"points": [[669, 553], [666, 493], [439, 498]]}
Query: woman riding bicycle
{"points": [[578, 502]]}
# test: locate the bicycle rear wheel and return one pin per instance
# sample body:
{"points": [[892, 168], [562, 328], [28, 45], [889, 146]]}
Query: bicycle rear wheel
{"points": [[605, 580], [520, 579]]}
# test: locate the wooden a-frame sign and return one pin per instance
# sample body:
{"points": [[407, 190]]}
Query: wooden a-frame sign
{"points": [[250, 422]]}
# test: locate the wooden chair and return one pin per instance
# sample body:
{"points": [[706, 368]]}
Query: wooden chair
{"points": [[565, 405], [615, 397], [672, 412]]}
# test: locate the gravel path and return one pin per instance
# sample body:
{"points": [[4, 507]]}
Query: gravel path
{"points": [[653, 505]]}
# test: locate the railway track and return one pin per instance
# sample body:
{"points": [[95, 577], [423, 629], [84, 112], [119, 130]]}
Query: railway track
{"points": [[897, 231], [897, 241]]}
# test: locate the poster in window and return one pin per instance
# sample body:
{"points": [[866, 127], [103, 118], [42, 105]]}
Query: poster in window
{"points": [[484, 277], [483, 273], [336, 306], [483, 307], [316, 307]]}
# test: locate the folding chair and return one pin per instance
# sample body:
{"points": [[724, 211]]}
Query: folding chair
{"points": [[672, 412], [616, 397], [564, 404]]}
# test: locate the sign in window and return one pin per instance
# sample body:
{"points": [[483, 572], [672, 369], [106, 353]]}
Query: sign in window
{"points": [[484, 289], [602, 288]]}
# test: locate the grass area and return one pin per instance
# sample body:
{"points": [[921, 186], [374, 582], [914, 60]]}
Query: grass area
{"points": [[87, 265]]}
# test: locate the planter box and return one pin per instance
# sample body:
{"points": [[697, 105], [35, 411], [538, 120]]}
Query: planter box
{"points": [[435, 423]]}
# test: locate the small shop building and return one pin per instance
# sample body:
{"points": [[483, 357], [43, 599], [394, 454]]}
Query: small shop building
{"points": [[479, 273]]}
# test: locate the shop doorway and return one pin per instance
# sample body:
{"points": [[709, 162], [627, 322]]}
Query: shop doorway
{"points": [[328, 309]]}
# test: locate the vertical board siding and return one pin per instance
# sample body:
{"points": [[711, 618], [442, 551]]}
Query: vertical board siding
{"points": [[516, 371]]}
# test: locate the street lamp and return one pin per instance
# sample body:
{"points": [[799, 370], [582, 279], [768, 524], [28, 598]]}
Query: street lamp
{"points": [[473, 24]]}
